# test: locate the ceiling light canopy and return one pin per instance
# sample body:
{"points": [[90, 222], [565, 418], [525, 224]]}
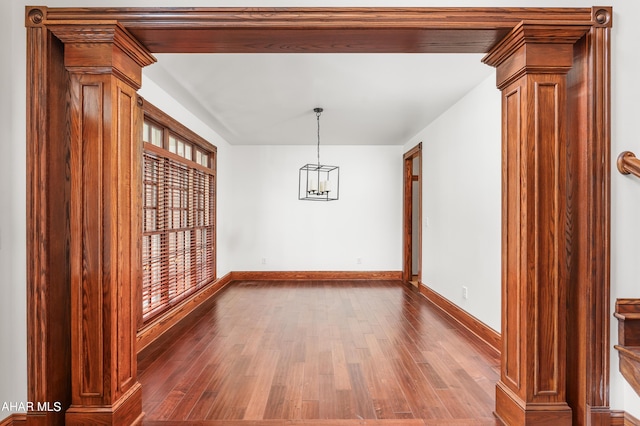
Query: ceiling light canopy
{"points": [[318, 182]]}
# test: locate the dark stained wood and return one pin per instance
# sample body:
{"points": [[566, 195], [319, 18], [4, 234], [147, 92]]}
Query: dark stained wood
{"points": [[179, 129], [621, 418], [336, 30], [630, 365], [16, 419], [269, 350], [48, 272], [163, 323], [531, 72], [407, 212], [105, 256], [628, 315], [319, 30], [628, 163], [588, 292], [325, 422]]}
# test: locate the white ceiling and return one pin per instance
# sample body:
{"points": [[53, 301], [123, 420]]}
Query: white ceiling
{"points": [[368, 99]]}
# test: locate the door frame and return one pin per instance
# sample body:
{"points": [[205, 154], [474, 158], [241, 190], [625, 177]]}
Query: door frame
{"points": [[408, 206], [365, 30]]}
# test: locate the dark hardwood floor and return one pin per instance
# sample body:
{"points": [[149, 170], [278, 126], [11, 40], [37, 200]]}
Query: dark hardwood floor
{"points": [[318, 353]]}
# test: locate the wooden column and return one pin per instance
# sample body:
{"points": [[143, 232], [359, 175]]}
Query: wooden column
{"points": [[105, 65], [532, 62]]}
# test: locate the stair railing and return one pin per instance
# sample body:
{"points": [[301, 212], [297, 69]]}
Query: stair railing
{"points": [[628, 163]]}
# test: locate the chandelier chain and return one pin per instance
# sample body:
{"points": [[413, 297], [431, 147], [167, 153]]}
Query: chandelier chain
{"points": [[318, 118]]}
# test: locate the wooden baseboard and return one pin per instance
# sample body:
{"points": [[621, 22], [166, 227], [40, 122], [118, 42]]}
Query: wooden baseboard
{"points": [[15, 419], [160, 325], [622, 418], [468, 321], [314, 275]]}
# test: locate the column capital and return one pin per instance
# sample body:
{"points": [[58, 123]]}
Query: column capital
{"points": [[535, 47], [105, 47]]}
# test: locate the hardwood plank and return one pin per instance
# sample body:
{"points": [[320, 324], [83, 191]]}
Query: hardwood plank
{"points": [[363, 403], [340, 370], [300, 422], [311, 386], [341, 422], [264, 376], [181, 411], [327, 401], [310, 409], [319, 352], [292, 405]]}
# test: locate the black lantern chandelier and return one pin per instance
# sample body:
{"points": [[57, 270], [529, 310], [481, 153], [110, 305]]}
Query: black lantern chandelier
{"points": [[318, 182]]}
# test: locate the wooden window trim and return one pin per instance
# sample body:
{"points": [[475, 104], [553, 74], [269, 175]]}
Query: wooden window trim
{"points": [[191, 269], [179, 130]]}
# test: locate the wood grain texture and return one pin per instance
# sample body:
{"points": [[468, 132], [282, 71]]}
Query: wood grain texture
{"points": [[105, 209], [326, 422], [337, 30], [16, 419], [330, 30], [628, 314], [536, 250], [102, 47], [48, 219], [588, 326], [160, 325], [407, 212], [622, 418], [628, 347], [315, 351]]}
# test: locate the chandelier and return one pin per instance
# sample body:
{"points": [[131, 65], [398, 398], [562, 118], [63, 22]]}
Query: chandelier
{"points": [[318, 182]]}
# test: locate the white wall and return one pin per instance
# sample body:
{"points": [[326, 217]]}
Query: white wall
{"points": [[260, 216], [13, 334], [625, 202], [152, 93], [461, 214], [270, 222], [625, 190]]}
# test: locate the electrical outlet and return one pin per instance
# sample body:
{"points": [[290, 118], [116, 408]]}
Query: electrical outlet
{"points": [[359, 261], [264, 260], [465, 292]]}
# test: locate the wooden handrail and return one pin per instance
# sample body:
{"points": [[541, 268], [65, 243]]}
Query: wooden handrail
{"points": [[628, 163]]}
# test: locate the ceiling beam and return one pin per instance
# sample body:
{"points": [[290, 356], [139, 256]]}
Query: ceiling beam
{"points": [[318, 30]]}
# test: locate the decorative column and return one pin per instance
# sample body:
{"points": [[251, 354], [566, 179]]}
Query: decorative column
{"points": [[532, 62], [105, 65]]}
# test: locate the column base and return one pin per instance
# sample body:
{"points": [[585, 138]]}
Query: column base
{"points": [[512, 410], [127, 410]]}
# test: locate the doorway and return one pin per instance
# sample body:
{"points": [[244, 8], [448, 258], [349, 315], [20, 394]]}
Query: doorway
{"points": [[570, 50], [412, 216]]}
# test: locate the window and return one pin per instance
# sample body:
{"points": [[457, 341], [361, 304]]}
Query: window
{"points": [[178, 235]]}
